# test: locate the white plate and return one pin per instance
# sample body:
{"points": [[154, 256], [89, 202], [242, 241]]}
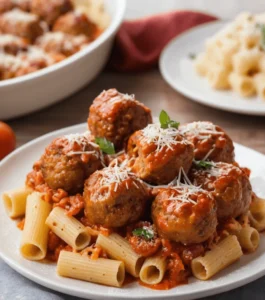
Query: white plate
{"points": [[13, 170], [178, 70]]}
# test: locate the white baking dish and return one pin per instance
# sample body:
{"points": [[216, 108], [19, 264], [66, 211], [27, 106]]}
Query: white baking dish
{"points": [[31, 92]]}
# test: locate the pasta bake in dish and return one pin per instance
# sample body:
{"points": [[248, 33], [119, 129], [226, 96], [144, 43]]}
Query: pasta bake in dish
{"points": [[35, 34], [171, 203], [234, 57]]}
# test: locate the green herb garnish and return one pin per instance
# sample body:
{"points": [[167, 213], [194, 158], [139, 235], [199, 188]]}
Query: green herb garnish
{"points": [[166, 122], [148, 234], [203, 164], [192, 55], [105, 145]]}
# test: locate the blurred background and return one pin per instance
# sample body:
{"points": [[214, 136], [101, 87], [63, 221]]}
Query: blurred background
{"points": [[226, 9]]}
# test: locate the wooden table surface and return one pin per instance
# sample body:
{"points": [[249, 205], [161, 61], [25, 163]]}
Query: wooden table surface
{"points": [[150, 88]]}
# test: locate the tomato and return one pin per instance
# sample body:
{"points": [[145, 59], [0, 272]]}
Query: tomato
{"points": [[7, 140]]}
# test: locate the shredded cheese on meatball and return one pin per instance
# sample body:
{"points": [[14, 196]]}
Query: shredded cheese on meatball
{"points": [[185, 192], [116, 174], [17, 15], [161, 137], [83, 140], [201, 130]]}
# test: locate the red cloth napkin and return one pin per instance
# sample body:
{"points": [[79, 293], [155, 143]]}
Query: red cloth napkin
{"points": [[139, 43]]}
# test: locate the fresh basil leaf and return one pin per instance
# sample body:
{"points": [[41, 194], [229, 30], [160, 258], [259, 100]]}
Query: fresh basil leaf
{"points": [[166, 122], [105, 145], [164, 118], [148, 234], [203, 164]]}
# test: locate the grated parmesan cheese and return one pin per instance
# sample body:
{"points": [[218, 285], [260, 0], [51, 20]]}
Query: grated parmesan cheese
{"points": [[17, 15], [161, 137], [116, 173], [201, 130], [6, 39], [36, 54], [11, 62]]}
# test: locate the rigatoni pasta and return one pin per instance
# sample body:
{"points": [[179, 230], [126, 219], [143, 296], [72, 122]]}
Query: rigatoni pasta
{"points": [[68, 229], [215, 260], [103, 271], [119, 248], [153, 270], [15, 201], [248, 238], [35, 234], [237, 48]]}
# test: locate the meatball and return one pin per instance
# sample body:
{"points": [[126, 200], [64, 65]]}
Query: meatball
{"points": [[50, 10], [20, 23], [75, 23], [116, 116], [229, 185], [209, 140], [184, 214], [157, 155], [22, 4], [11, 44], [68, 161], [114, 197], [5, 5], [59, 42]]}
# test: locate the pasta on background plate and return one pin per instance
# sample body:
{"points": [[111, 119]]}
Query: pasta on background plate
{"points": [[234, 57], [171, 204]]}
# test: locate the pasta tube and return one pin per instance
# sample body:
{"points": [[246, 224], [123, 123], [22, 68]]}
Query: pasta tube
{"points": [[68, 229], [215, 260], [153, 270], [119, 248], [246, 62], [101, 270], [260, 85], [15, 201], [257, 214], [243, 85], [35, 234], [249, 238], [218, 78], [201, 64]]}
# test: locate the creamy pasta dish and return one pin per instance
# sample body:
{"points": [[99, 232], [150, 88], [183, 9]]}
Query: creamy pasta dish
{"points": [[234, 57], [132, 199], [35, 34]]}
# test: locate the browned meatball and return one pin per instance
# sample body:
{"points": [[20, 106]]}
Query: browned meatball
{"points": [[209, 141], [59, 42], [50, 10], [157, 154], [114, 197], [22, 4], [116, 116], [229, 185], [75, 23], [12, 44], [20, 23], [5, 5], [68, 161], [184, 214]]}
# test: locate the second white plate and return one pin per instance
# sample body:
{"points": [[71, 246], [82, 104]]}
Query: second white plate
{"points": [[177, 68]]}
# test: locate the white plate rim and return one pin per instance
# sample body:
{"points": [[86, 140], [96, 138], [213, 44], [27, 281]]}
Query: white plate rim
{"points": [[63, 288], [177, 86]]}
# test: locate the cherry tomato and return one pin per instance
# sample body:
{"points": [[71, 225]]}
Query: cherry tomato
{"points": [[7, 140]]}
